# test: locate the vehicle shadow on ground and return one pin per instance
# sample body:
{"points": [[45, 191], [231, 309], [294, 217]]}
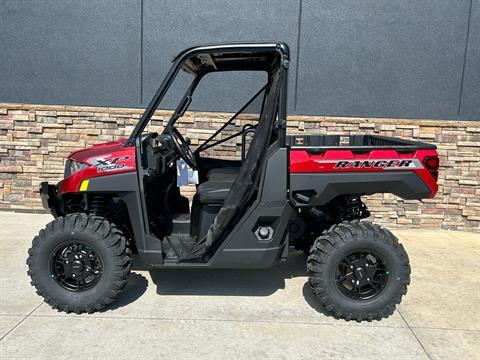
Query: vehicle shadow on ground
{"points": [[220, 282], [137, 284]]}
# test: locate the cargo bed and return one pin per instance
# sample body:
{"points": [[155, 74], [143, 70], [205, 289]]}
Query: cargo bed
{"points": [[355, 143], [323, 167]]}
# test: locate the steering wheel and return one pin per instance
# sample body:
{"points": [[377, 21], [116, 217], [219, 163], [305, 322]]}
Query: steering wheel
{"points": [[182, 146]]}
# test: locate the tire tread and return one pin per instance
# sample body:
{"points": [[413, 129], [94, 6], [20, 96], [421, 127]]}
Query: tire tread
{"points": [[329, 242], [104, 231]]}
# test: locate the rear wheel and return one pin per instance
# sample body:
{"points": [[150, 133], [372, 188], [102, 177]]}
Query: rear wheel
{"points": [[79, 263], [358, 271]]}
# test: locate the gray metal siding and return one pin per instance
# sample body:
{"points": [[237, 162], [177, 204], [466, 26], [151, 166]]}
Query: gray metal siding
{"points": [[70, 52], [171, 26], [406, 59], [470, 99], [378, 60]]}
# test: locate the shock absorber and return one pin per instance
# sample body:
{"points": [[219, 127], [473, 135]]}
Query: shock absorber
{"points": [[98, 205], [355, 208]]}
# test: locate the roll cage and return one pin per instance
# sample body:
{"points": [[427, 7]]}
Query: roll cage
{"points": [[202, 60]]}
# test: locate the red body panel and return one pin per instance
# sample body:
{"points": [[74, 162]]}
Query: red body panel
{"points": [[103, 159], [338, 161]]}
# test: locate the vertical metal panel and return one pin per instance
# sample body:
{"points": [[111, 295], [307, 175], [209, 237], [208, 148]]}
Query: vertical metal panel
{"points": [[171, 26], [470, 102], [382, 58], [70, 52]]}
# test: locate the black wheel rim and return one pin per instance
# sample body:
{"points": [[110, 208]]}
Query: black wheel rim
{"points": [[76, 266], [362, 275]]}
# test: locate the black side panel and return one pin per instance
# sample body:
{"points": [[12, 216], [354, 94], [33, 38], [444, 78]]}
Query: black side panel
{"points": [[125, 186], [114, 183], [243, 248], [319, 189], [246, 250], [276, 175]]}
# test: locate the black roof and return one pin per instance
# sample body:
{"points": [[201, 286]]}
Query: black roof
{"points": [[231, 56]]}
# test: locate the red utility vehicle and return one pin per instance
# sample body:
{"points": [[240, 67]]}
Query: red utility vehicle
{"points": [[286, 191]]}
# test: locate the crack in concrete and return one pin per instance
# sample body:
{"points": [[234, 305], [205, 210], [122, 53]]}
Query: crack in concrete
{"points": [[20, 322], [415, 335]]}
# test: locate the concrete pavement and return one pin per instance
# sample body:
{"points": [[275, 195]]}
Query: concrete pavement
{"points": [[219, 314]]}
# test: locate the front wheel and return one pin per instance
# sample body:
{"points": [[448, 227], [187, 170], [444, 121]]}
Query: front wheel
{"points": [[358, 271], [79, 263]]}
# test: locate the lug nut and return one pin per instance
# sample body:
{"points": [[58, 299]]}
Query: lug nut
{"points": [[351, 266], [73, 275], [368, 279]]}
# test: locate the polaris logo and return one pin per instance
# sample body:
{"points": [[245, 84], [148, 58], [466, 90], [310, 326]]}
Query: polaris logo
{"points": [[378, 164]]}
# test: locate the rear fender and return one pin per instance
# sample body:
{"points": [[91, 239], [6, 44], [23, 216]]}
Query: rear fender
{"points": [[316, 179]]}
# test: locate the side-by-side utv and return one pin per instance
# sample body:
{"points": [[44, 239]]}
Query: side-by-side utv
{"points": [[284, 192]]}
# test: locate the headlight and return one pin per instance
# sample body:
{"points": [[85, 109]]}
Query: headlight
{"points": [[72, 166]]}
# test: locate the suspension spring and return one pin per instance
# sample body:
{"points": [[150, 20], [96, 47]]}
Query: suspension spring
{"points": [[355, 208], [98, 205]]}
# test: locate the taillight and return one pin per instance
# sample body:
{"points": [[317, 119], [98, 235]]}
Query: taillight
{"points": [[432, 163]]}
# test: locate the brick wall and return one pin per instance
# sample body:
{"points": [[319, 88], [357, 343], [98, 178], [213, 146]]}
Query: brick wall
{"points": [[34, 140]]}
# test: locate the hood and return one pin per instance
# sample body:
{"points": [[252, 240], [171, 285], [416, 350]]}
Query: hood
{"points": [[97, 150]]}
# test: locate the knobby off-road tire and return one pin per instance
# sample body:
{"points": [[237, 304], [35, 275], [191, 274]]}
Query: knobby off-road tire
{"points": [[85, 234], [327, 257]]}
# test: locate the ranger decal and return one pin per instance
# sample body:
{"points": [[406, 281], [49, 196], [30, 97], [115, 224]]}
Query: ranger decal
{"points": [[387, 164]]}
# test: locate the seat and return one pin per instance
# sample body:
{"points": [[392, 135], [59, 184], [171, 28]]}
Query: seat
{"points": [[214, 191], [210, 197], [224, 173], [216, 188]]}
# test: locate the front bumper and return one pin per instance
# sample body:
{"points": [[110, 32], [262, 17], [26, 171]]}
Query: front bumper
{"points": [[50, 199]]}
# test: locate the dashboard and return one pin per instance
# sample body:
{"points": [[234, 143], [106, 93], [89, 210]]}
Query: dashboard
{"points": [[158, 153]]}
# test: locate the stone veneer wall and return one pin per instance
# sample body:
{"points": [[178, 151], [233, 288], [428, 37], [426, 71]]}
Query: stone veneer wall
{"points": [[34, 140]]}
